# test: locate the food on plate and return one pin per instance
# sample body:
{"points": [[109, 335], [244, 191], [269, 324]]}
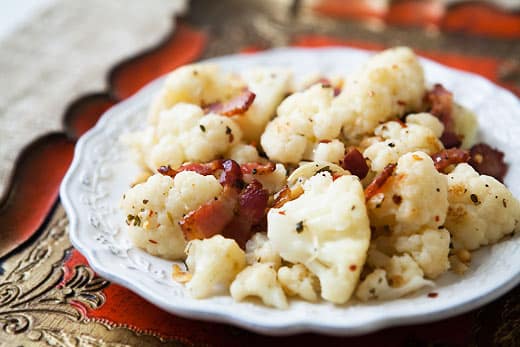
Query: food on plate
{"points": [[366, 186]]}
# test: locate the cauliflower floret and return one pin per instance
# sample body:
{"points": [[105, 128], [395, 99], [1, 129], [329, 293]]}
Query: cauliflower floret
{"points": [[481, 209], [388, 86], [429, 248], [259, 280], [214, 263], [260, 250], [304, 118], [400, 276], [332, 152], [297, 280], [327, 230], [420, 134], [415, 196], [155, 207], [273, 181], [242, 153], [184, 133], [466, 125], [195, 84], [270, 87]]}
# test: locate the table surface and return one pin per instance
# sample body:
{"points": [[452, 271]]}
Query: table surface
{"points": [[48, 293]]}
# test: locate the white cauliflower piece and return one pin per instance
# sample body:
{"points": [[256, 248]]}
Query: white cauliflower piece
{"points": [[260, 250], [481, 209], [332, 152], [270, 87], [242, 153], [214, 263], [429, 248], [155, 207], [298, 280], [304, 118], [389, 85], [327, 230], [399, 276], [273, 181], [195, 84], [416, 196], [259, 280], [420, 134], [466, 125], [184, 133]]}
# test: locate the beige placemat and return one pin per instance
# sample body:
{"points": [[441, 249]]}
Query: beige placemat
{"points": [[63, 52]]}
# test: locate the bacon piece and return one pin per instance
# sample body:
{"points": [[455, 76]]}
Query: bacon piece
{"points": [[252, 204], [379, 181], [441, 106], [210, 218], [167, 171], [257, 168], [441, 103], [488, 161], [235, 106], [200, 168], [232, 174], [448, 157], [355, 163], [449, 139]]}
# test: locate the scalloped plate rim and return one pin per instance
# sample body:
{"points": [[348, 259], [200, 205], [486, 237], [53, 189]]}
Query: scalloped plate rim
{"points": [[301, 325]]}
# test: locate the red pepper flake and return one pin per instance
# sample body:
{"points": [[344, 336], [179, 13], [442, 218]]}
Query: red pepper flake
{"points": [[282, 213], [325, 141], [433, 295], [379, 181], [352, 267], [437, 218], [153, 241]]}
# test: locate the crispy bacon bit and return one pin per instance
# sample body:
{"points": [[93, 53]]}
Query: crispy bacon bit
{"points": [[167, 171], [355, 163], [200, 168], [488, 161], [235, 106], [450, 140], [232, 174], [252, 204], [448, 157], [441, 106], [258, 168], [179, 275], [379, 181], [210, 218]]}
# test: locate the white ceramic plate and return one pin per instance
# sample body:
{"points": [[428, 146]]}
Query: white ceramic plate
{"points": [[102, 170]]}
